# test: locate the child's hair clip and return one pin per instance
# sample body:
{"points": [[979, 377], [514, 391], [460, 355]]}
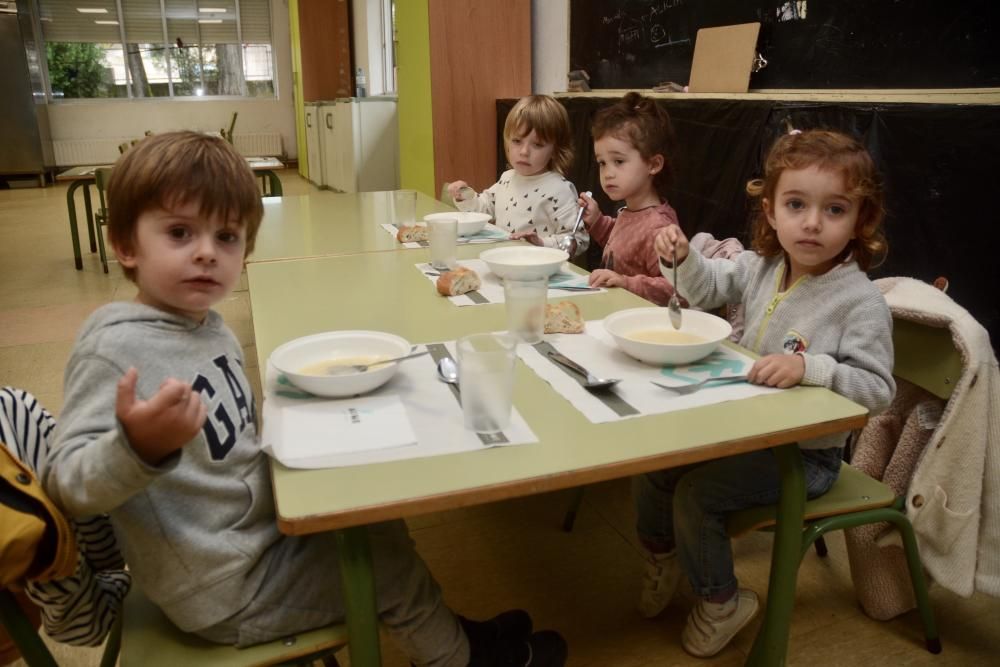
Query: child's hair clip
{"points": [[794, 132]]}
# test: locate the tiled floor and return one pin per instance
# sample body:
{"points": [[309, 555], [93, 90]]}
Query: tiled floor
{"points": [[497, 556]]}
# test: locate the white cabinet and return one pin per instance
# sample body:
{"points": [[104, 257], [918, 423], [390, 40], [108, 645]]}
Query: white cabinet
{"points": [[314, 150], [360, 144], [332, 149]]}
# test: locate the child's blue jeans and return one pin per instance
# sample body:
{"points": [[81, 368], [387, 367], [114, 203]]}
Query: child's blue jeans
{"points": [[686, 508]]}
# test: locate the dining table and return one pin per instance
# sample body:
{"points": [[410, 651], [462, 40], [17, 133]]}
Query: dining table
{"points": [[384, 291], [331, 223]]}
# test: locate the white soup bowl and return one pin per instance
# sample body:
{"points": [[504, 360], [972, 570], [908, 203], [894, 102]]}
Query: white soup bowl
{"points": [[469, 222], [708, 330], [296, 355], [524, 262]]}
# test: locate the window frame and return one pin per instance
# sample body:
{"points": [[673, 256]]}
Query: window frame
{"points": [[166, 45]]}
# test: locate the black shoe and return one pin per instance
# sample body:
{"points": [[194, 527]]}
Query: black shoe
{"points": [[513, 624], [542, 649]]}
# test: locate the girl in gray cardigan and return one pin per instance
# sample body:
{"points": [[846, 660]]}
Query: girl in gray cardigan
{"points": [[816, 319]]}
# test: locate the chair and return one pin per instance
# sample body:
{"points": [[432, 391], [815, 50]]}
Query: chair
{"points": [[228, 134], [101, 177], [140, 635], [445, 197], [145, 638], [150, 640], [926, 357]]}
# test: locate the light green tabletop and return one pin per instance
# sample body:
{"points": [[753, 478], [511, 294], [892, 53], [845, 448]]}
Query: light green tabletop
{"points": [[384, 291], [329, 223]]}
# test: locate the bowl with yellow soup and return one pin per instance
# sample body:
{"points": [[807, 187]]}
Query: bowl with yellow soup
{"points": [[647, 335], [316, 363]]}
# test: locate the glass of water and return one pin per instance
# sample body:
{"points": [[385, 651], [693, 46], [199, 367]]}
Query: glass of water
{"points": [[526, 301], [404, 207], [486, 376], [442, 238]]}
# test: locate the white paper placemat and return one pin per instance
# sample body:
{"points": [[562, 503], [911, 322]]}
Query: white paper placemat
{"points": [[491, 290], [412, 416], [490, 233], [634, 396]]}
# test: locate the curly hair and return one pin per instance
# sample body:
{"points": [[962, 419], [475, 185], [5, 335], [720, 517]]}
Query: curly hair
{"points": [[826, 150], [646, 126], [549, 120], [174, 168]]}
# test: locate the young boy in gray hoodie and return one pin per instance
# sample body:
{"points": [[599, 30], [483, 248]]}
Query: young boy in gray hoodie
{"points": [[159, 430]]}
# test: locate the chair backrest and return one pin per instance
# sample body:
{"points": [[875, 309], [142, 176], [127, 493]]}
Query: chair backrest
{"points": [[445, 197], [926, 356], [101, 177]]}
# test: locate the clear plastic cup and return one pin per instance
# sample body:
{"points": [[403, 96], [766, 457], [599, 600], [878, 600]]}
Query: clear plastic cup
{"points": [[486, 376], [404, 207], [442, 238], [525, 301]]}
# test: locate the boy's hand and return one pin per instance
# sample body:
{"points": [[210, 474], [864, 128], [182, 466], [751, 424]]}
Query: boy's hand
{"points": [[778, 370], [160, 426], [606, 278], [667, 239], [455, 189], [591, 211], [531, 237]]}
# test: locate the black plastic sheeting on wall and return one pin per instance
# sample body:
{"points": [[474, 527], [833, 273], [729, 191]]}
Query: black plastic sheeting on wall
{"points": [[940, 164]]}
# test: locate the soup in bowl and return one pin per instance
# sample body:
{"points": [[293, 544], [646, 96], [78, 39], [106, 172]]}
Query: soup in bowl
{"points": [[647, 335], [321, 364]]}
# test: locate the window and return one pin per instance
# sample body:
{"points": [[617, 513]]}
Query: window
{"points": [[158, 48]]}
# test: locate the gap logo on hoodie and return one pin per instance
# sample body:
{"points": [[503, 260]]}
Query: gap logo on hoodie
{"points": [[233, 402]]}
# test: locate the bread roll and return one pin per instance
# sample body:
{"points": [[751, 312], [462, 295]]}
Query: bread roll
{"points": [[458, 281], [408, 233], [563, 317]]}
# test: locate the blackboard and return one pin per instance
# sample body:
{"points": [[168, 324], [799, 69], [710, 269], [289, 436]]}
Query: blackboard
{"points": [[808, 44]]}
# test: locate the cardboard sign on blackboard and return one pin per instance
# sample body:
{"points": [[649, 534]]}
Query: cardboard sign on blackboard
{"points": [[723, 58]]}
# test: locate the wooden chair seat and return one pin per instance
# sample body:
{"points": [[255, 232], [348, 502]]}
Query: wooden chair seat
{"points": [[149, 639]]}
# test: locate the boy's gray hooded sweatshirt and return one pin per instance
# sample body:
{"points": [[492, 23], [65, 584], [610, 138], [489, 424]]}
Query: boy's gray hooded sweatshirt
{"points": [[192, 528]]}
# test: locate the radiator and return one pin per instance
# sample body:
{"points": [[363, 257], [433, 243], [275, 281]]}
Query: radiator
{"points": [[75, 152], [259, 144], [85, 151]]}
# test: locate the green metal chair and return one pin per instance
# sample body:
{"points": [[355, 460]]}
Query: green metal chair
{"points": [[145, 638], [150, 640], [925, 356], [101, 177]]}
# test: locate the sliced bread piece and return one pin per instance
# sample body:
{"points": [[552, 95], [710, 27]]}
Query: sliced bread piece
{"points": [[458, 281], [563, 317], [408, 233]]}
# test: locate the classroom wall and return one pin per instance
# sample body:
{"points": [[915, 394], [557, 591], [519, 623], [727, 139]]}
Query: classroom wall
{"points": [[549, 45], [122, 119], [416, 138]]}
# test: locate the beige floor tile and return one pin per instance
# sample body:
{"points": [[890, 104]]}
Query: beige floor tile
{"points": [[44, 324]]}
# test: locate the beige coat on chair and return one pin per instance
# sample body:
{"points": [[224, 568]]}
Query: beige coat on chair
{"points": [[953, 496]]}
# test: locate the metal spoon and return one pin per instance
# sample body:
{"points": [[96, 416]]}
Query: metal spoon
{"points": [[361, 368], [447, 370], [592, 381], [568, 242], [674, 305]]}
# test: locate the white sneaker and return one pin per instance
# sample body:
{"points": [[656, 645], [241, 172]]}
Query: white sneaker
{"points": [[659, 582], [705, 634]]}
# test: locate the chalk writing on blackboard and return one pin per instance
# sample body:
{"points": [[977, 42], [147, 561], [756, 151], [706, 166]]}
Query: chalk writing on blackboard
{"points": [[648, 29]]}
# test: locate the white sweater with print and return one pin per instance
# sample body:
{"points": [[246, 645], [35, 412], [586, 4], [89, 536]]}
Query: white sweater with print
{"points": [[545, 203]]}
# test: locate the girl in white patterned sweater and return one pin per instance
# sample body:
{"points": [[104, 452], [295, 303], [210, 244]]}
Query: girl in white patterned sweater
{"points": [[816, 319], [532, 200]]}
